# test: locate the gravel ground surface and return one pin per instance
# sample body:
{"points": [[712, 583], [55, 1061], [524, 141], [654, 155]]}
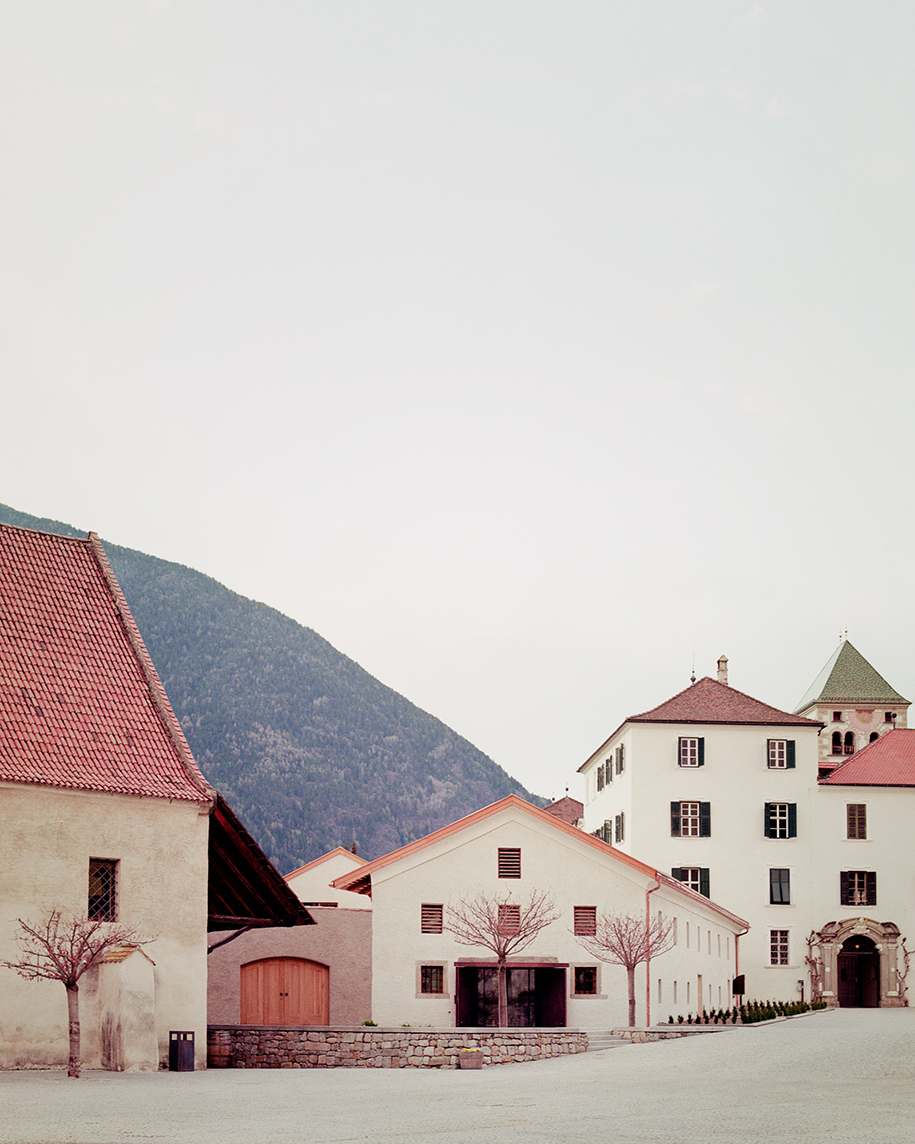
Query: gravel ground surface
{"points": [[845, 1075]]}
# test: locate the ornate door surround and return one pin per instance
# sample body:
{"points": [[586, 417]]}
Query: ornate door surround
{"points": [[826, 945]]}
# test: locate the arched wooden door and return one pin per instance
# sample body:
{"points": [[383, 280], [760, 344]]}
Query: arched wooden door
{"points": [[284, 991]]}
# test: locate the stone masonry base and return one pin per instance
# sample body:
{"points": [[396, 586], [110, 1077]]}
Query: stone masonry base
{"points": [[278, 1047]]}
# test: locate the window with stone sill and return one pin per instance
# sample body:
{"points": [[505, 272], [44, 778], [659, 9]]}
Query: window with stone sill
{"points": [[432, 979]]}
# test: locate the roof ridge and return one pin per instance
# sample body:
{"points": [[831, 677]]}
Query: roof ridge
{"points": [[156, 690]]}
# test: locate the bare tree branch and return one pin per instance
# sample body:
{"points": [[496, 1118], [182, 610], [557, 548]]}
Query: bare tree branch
{"points": [[495, 922], [622, 939], [58, 950]]}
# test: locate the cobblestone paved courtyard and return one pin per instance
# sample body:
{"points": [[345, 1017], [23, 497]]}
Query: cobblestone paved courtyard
{"points": [[846, 1075]]}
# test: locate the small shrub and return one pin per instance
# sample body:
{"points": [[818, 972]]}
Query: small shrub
{"points": [[375, 1023]]}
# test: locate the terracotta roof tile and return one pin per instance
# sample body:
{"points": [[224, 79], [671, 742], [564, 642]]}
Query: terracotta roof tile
{"points": [[888, 761], [709, 701], [81, 705]]}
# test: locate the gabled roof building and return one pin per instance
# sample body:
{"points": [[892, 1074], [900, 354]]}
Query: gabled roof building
{"points": [[107, 815], [508, 852], [746, 803]]}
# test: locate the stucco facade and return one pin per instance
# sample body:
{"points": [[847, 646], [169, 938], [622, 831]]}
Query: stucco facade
{"points": [[575, 871], [341, 941], [771, 837], [161, 851]]}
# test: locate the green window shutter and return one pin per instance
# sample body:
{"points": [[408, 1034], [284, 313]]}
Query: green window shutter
{"points": [[870, 883], [704, 883], [792, 820], [768, 825], [705, 819], [675, 819], [789, 753], [701, 743], [677, 873]]}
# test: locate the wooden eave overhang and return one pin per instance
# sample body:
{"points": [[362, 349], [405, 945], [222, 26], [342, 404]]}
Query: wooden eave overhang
{"points": [[245, 889]]}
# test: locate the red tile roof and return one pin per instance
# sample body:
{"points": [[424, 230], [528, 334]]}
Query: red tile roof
{"points": [[709, 701], [81, 705], [360, 881], [568, 809], [888, 761]]}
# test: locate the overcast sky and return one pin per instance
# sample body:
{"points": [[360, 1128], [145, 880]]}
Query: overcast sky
{"points": [[524, 350]]}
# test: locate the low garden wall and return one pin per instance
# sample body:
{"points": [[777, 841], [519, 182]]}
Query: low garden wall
{"points": [[280, 1047]]}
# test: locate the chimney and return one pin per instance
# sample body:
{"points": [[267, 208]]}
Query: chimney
{"points": [[723, 670]]}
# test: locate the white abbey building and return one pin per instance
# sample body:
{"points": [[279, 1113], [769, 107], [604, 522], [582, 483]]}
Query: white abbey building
{"points": [[791, 819]]}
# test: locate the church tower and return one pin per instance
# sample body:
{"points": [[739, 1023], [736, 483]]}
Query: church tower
{"points": [[855, 704]]}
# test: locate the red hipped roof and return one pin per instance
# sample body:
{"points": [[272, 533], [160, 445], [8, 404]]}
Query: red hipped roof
{"points": [[81, 705], [709, 701], [888, 761]]}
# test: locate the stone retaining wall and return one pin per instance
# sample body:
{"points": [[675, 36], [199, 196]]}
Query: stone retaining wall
{"points": [[273, 1047]]}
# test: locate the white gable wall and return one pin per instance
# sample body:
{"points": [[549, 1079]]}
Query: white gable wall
{"points": [[573, 873]]}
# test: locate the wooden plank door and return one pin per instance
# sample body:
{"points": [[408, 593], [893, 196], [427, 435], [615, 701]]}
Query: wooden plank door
{"points": [[284, 991]]}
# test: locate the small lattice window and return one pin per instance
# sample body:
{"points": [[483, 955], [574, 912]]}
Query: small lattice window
{"points": [[778, 947], [103, 889], [586, 921], [432, 979], [586, 979], [509, 862]]}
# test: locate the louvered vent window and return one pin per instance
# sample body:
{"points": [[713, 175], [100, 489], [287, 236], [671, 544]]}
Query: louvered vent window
{"points": [[509, 862], [431, 918], [103, 886], [586, 921], [509, 918], [857, 819]]}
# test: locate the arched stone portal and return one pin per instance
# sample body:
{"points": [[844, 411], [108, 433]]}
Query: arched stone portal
{"points": [[859, 963]]}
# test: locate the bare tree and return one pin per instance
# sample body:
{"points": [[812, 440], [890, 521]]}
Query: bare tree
{"points": [[497, 923], [815, 965], [59, 950], [622, 939]]}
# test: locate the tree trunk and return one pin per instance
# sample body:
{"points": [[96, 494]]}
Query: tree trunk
{"points": [[630, 975], [503, 996], [73, 1014]]}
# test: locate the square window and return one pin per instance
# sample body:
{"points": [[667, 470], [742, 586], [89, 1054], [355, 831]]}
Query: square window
{"points": [[781, 820], [586, 979], [856, 819], [889, 716], [858, 887], [432, 979], [690, 876], [778, 947], [585, 921], [509, 862], [431, 920], [780, 887], [689, 753], [103, 901], [837, 717]]}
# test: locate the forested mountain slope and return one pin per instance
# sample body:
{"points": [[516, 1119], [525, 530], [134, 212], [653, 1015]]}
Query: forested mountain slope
{"points": [[309, 749]]}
